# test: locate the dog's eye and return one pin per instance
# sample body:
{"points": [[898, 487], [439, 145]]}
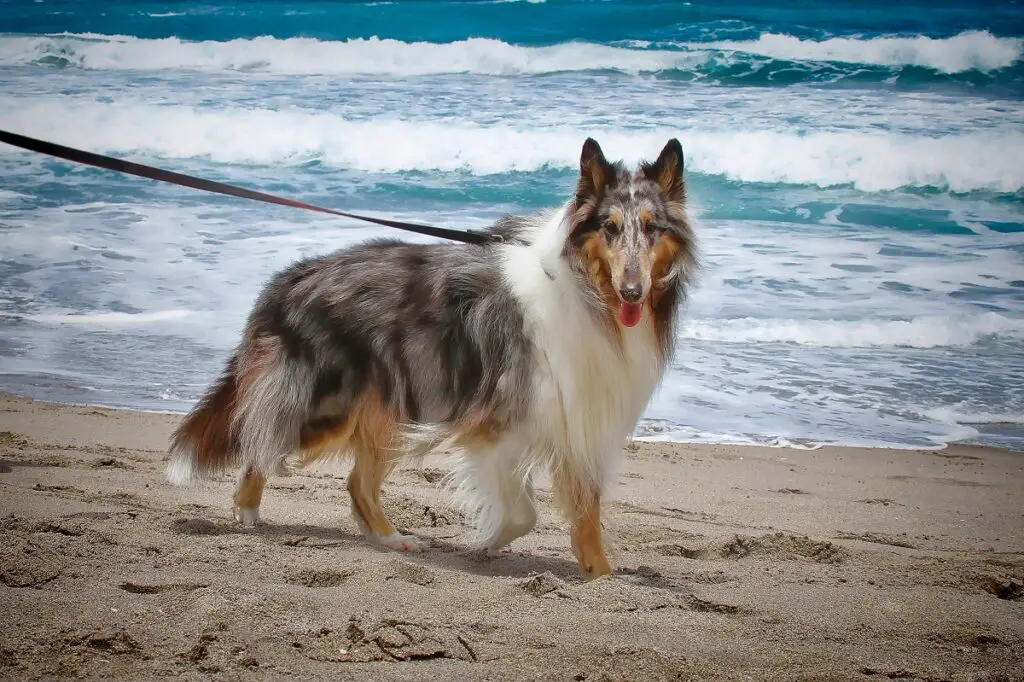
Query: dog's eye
{"points": [[652, 230], [609, 231]]}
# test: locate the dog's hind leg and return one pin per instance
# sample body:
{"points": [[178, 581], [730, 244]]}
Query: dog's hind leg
{"points": [[372, 439], [364, 484], [248, 494], [272, 403]]}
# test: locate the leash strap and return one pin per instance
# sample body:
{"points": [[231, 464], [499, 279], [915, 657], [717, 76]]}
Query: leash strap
{"points": [[110, 163]]}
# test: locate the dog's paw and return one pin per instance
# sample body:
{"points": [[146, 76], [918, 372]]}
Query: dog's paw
{"points": [[283, 468], [495, 552], [247, 516], [402, 543]]}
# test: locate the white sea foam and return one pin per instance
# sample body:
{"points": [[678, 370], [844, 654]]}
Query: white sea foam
{"points": [[110, 319], [963, 414], [866, 160], [966, 51], [168, 394], [970, 50], [677, 434], [917, 332], [374, 56], [8, 195]]}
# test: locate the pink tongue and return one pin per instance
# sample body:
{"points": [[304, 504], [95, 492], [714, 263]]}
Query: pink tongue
{"points": [[630, 313]]}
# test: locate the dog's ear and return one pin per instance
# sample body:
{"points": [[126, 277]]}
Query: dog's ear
{"points": [[595, 171], [667, 172], [595, 174]]}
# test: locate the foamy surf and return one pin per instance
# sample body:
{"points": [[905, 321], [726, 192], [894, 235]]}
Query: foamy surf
{"points": [[917, 332], [110, 319], [965, 414], [966, 51], [7, 195], [969, 50], [357, 56], [869, 161]]}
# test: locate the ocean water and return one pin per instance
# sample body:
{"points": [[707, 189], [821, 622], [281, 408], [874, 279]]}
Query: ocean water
{"points": [[856, 172]]}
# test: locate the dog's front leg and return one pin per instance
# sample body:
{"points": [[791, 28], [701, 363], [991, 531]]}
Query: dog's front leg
{"points": [[587, 544], [582, 504]]}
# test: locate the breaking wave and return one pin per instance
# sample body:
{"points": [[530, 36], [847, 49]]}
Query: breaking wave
{"points": [[971, 51], [967, 51], [866, 160], [374, 56]]}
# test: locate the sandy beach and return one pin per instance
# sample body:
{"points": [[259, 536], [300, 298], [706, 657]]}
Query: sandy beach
{"points": [[734, 563]]}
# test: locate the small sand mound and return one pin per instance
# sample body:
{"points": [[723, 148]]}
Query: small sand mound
{"points": [[318, 577], [779, 545], [26, 563], [541, 584], [410, 573], [385, 640]]}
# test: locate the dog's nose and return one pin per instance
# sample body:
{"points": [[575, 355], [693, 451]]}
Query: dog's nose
{"points": [[631, 293]]}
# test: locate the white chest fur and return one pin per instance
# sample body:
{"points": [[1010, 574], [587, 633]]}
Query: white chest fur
{"points": [[589, 389]]}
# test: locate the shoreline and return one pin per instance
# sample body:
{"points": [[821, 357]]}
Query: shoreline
{"points": [[787, 444], [732, 563]]}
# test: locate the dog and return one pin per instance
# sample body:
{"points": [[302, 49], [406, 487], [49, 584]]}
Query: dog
{"points": [[540, 350]]}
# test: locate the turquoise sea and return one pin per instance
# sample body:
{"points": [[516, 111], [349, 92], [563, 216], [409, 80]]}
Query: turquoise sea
{"points": [[856, 173]]}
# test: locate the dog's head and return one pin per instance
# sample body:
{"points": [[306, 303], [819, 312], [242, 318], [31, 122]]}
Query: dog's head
{"points": [[630, 234]]}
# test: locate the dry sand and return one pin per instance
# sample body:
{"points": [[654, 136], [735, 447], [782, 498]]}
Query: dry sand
{"points": [[736, 563]]}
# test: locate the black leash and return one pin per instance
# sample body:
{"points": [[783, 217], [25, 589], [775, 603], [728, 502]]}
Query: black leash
{"points": [[110, 163]]}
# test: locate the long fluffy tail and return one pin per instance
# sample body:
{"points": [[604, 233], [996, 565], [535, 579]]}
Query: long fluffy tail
{"points": [[205, 442]]}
